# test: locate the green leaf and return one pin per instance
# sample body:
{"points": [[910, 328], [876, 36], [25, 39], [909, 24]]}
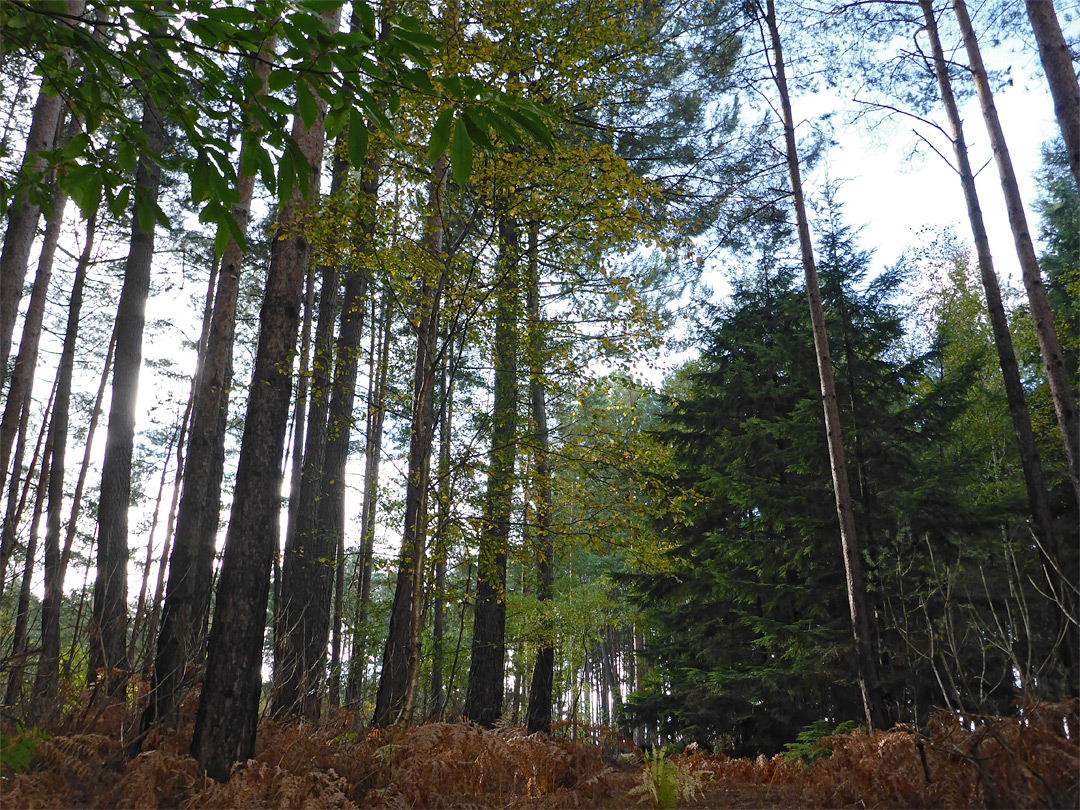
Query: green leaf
{"points": [[77, 147], [279, 79], [286, 177], [461, 153], [200, 190], [418, 79], [120, 202], [305, 103], [358, 137], [235, 15], [274, 104], [440, 136], [335, 120], [367, 18], [423, 41], [477, 130], [83, 185], [266, 169], [532, 125], [502, 126]]}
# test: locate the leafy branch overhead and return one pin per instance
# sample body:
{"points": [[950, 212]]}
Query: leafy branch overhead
{"points": [[193, 59]]}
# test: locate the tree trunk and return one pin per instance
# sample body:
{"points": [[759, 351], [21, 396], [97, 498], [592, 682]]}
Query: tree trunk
{"points": [[140, 603], [484, 697], [873, 704], [1057, 63], [543, 678], [108, 630], [299, 431], [293, 677], [18, 654], [301, 402], [331, 511], [46, 682], [20, 392], [373, 453], [23, 213], [178, 479], [394, 678], [442, 528], [1053, 358], [185, 611], [1038, 499], [23, 373], [229, 707]]}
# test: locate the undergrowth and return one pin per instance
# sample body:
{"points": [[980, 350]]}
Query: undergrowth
{"points": [[1026, 760]]}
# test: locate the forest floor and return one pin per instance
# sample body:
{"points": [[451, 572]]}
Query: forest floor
{"points": [[1022, 761]]}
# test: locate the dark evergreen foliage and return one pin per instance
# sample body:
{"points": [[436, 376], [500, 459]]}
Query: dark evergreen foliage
{"points": [[753, 641]]}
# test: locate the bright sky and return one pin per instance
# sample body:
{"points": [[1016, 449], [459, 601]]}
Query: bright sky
{"points": [[893, 195]]}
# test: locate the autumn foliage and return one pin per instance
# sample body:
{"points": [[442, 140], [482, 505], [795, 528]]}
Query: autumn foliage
{"points": [[1027, 760]]}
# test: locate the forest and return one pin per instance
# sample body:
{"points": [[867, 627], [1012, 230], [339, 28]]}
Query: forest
{"points": [[499, 404]]}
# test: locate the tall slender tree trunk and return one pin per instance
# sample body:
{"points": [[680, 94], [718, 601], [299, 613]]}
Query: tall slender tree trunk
{"points": [[19, 651], [373, 452], [23, 213], [299, 431], [46, 681], [543, 678], [108, 630], [297, 682], [394, 677], [229, 706], [301, 402], [154, 620], [336, 619], [20, 392], [1060, 72], [873, 704], [442, 545], [1031, 465], [84, 467], [331, 510], [484, 696], [170, 523], [1061, 389], [140, 603], [22, 375], [14, 505], [185, 611]]}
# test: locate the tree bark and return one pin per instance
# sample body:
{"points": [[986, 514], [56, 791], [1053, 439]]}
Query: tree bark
{"points": [[178, 480], [1057, 63], [23, 213], [140, 603], [1053, 358], [394, 678], [873, 704], [331, 510], [229, 707], [543, 677], [20, 392], [484, 696], [185, 611], [299, 431], [46, 681], [22, 375], [108, 629], [1038, 498], [18, 654], [373, 452], [308, 561], [442, 544]]}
